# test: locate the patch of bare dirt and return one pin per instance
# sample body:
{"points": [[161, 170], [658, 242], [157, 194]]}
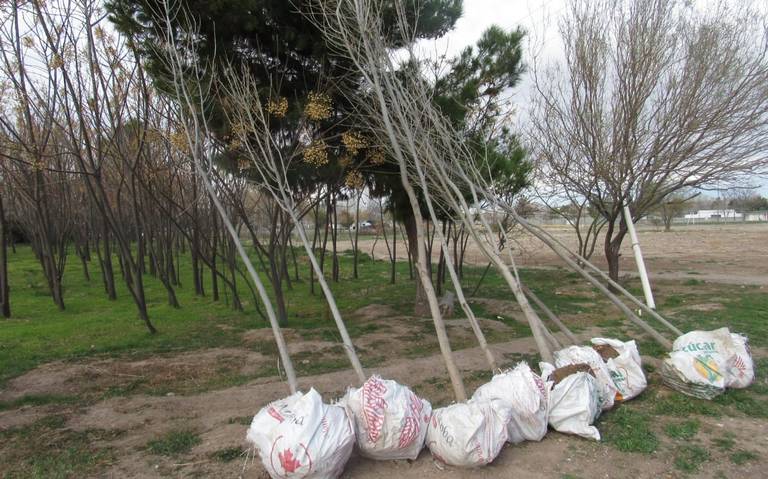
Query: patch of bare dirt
{"points": [[705, 307], [185, 371], [373, 312]]}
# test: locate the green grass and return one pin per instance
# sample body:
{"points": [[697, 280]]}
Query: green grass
{"points": [[682, 430], [628, 430], [39, 400], [689, 458], [742, 457], [46, 449], [93, 326], [174, 443], [679, 405], [228, 454], [724, 443]]}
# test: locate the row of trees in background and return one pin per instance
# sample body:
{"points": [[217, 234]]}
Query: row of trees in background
{"points": [[654, 99], [95, 163]]}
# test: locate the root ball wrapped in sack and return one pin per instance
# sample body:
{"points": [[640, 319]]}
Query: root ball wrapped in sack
{"points": [[703, 363], [574, 402], [390, 420], [302, 437], [624, 365], [524, 393], [468, 434], [587, 355]]}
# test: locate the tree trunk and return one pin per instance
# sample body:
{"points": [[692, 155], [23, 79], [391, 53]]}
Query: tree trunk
{"points": [[357, 236], [214, 252], [612, 248], [334, 252], [107, 270], [5, 301], [421, 305], [394, 248]]}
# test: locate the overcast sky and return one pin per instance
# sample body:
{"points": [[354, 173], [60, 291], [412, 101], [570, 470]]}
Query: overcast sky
{"points": [[539, 18]]}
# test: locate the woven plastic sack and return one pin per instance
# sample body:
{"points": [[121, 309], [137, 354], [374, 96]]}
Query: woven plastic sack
{"points": [[697, 365], [526, 395], [626, 369], [587, 355], [574, 404], [741, 367], [301, 437], [704, 363], [468, 434], [390, 420]]}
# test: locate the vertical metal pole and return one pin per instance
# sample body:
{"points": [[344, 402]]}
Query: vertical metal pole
{"points": [[639, 259]]}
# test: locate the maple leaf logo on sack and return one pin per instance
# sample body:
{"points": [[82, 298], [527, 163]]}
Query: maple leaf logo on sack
{"points": [[288, 462]]}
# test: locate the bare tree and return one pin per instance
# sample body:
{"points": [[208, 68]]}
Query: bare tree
{"points": [[673, 206], [653, 97], [5, 300]]}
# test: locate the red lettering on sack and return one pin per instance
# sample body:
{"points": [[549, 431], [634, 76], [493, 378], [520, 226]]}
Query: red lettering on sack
{"points": [[275, 414], [411, 426], [374, 406]]}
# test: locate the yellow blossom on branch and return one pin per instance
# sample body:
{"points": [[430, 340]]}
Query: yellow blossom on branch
{"points": [[376, 157], [316, 154], [318, 107], [354, 180], [353, 141], [278, 107]]}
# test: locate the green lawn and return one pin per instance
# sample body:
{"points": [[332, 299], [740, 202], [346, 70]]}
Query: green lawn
{"points": [[91, 325]]}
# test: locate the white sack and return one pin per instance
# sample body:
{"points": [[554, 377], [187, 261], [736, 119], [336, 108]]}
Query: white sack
{"points": [[626, 370], [468, 434], [587, 355], [621, 347], [574, 404], [390, 420], [741, 367], [698, 364], [301, 437], [525, 394], [711, 361]]}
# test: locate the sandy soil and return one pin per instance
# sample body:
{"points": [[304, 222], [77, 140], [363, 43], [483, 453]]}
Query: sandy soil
{"points": [[728, 253]]}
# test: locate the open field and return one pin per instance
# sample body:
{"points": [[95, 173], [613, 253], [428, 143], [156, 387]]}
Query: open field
{"points": [[87, 393], [727, 253]]}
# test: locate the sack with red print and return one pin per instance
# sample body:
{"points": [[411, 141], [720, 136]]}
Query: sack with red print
{"points": [[390, 420], [301, 437], [740, 366], [468, 434], [525, 394]]}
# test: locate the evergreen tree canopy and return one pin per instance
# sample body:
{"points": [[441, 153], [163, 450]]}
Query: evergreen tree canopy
{"points": [[287, 55]]}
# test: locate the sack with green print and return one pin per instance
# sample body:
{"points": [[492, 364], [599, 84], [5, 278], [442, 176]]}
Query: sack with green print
{"points": [[625, 367], [698, 363]]}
